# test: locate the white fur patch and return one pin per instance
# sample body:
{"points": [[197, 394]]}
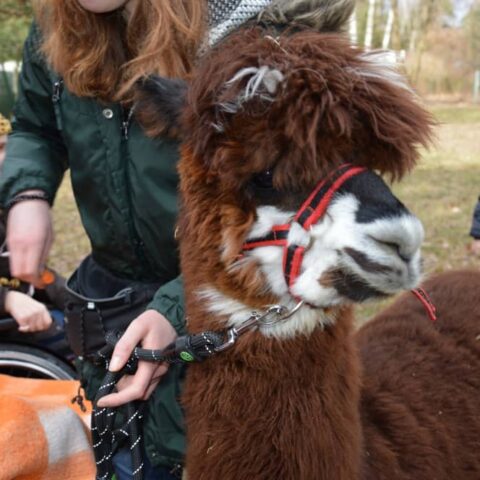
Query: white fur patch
{"points": [[298, 236], [270, 258], [327, 239], [304, 321], [267, 218]]}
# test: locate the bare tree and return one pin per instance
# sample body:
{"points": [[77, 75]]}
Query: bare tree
{"points": [[352, 28], [426, 14], [392, 19], [370, 24]]}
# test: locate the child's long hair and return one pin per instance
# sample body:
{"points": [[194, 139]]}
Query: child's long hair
{"points": [[103, 55]]}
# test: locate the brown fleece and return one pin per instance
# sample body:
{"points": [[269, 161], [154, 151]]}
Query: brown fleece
{"points": [[399, 400], [272, 409], [421, 385]]}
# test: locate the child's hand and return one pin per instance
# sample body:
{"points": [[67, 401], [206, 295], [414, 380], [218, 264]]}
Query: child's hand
{"points": [[31, 316]]}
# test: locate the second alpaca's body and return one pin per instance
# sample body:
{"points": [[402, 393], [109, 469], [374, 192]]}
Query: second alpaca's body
{"points": [[421, 385]]}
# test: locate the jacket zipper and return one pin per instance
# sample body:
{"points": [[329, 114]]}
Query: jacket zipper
{"points": [[56, 94], [126, 121], [138, 244]]}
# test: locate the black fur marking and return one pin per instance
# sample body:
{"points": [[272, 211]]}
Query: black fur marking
{"points": [[366, 263], [353, 288]]}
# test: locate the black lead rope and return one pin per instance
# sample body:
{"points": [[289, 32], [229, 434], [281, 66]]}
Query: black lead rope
{"points": [[105, 437]]}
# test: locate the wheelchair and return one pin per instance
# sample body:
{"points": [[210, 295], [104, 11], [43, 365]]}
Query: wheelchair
{"points": [[43, 355]]}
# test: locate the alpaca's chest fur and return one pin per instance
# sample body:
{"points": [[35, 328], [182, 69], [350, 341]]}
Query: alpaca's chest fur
{"points": [[270, 409]]}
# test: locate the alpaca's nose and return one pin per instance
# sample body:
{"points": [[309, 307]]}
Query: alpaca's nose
{"points": [[402, 236]]}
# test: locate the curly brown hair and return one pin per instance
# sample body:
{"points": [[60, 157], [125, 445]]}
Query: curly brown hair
{"points": [[103, 55]]}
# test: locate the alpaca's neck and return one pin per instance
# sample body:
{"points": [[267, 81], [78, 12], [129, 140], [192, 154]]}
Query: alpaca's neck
{"points": [[272, 408]]}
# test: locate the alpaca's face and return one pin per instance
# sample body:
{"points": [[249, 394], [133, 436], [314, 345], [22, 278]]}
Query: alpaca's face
{"points": [[366, 245]]}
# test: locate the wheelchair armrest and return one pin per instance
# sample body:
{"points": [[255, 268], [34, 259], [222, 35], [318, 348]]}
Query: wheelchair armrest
{"points": [[8, 323]]}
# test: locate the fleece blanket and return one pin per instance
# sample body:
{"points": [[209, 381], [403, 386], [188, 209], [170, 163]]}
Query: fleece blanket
{"points": [[42, 435]]}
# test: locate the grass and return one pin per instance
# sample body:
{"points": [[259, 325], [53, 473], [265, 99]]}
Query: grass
{"points": [[456, 113], [442, 192]]}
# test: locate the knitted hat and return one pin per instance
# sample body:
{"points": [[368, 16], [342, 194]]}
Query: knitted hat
{"points": [[224, 16], [321, 15], [5, 126]]}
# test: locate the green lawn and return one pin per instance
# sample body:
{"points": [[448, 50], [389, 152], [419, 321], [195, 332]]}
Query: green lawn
{"points": [[442, 191], [456, 114]]}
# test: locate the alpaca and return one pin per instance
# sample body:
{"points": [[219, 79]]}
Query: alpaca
{"points": [[265, 119]]}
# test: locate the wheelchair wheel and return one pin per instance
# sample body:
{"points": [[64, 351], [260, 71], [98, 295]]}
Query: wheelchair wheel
{"points": [[31, 362]]}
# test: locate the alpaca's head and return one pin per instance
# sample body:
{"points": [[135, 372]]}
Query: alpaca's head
{"points": [[264, 120]]}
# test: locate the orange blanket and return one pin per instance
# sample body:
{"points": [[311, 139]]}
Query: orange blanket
{"points": [[42, 435]]}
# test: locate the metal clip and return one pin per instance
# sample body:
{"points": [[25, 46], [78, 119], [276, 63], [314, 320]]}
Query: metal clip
{"points": [[280, 313], [234, 332], [232, 337]]}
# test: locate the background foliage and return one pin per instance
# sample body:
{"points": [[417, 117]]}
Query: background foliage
{"points": [[15, 17]]}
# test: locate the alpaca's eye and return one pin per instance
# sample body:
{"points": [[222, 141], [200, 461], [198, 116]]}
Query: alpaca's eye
{"points": [[263, 180]]}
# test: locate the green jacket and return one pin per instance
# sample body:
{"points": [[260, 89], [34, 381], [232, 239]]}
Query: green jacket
{"points": [[125, 186]]}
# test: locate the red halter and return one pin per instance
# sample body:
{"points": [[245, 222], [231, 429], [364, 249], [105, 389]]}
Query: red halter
{"points": [[309, 213]]}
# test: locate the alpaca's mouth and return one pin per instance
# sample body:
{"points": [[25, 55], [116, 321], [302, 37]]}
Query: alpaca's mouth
{"points": [[350, 286]]}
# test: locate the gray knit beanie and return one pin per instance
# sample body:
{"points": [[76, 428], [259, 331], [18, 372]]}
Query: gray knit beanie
{"points": [[321, 15], [224, 16]]}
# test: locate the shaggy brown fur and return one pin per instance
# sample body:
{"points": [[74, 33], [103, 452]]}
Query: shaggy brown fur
{"points": [[276, 410], [291, 410], [421, 385], [301, 409], [335, 104]]}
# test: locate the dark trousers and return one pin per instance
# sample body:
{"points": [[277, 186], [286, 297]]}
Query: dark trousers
{"points": [[122, 463]]}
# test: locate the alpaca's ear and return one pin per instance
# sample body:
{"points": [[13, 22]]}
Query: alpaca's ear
{"points": [[391, 123], [159, 103]]}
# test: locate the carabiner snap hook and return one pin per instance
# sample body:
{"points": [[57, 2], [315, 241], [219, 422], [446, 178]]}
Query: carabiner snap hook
{"points": [[234, 332], [279, 312], [282, 313]]}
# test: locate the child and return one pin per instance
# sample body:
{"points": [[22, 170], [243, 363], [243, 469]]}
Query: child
{"points": [[15, 296]]}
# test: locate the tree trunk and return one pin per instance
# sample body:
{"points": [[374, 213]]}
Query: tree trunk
{"points": [[387, 35], [370, 22], [352, 28]]}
